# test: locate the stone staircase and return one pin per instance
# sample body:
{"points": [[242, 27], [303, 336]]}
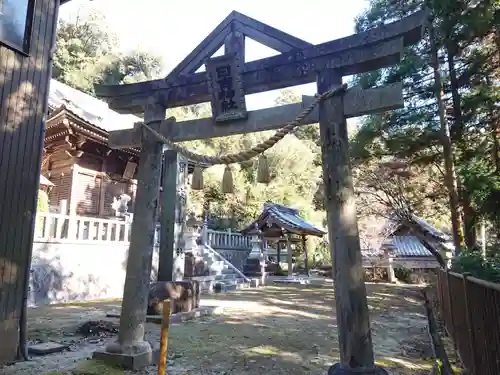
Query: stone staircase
{"points": [[222, 275]]}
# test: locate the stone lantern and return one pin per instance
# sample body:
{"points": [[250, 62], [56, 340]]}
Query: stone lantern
{"points": [[256, 242], [192, 233], [194, 264]]}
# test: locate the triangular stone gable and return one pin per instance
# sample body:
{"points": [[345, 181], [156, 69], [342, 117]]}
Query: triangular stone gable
{"points": [[219, 52], [236, 22], [267, 35]]}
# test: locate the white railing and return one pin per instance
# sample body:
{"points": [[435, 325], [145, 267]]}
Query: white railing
{"points": [[51, 227], [228, 240]]}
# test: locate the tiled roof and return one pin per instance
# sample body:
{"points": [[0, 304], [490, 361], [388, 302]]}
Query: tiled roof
{"points": [[290, 217], [285, 217], [394, 223], [433, 231], [88, 108], [406, 246]]}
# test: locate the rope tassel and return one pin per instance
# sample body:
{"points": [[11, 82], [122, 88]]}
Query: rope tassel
{"points": [[263, 175], [197, 181], [227, 181]]}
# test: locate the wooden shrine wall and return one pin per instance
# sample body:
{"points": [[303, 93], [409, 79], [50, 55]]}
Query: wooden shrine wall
{"points": [[23, 96]]}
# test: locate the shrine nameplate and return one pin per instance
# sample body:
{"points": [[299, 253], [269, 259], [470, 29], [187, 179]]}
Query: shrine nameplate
{"points": [[226, 88]]}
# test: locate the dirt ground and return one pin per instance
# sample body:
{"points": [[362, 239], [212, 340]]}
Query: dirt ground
{"points": [[271, 330]]}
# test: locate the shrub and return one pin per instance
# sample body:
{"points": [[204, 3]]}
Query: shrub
{"points": [[402, 274], [473, 262]]}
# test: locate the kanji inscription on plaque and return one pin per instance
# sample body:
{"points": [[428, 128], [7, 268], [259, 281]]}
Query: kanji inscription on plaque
{"points": [[226, 88]]}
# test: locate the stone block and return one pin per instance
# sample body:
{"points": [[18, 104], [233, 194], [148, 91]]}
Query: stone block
{"points": [[254, 267], [134, 362], [337, 369], [184, 296], [253, 262], [45, 348]]}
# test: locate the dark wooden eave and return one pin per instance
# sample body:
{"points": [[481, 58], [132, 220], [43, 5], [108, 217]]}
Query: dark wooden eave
{"points": [[93, 132], [83, 127]]}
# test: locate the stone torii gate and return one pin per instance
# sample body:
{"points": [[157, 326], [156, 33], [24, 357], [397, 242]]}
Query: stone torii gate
{"points": [[225, 83]]}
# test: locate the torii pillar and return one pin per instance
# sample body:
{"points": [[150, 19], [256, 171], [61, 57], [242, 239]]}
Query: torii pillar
{"points": [[353, 322], [131, 350]]}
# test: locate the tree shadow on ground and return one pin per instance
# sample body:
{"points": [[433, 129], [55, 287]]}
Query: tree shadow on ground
{"points": [[281, 330], [292, 330]]}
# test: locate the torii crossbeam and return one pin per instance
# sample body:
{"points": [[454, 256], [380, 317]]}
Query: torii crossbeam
{"points": [[225, 83]]}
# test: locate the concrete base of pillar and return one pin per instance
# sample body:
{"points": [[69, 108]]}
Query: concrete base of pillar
{"points": [[337, 369], [133, 360]]}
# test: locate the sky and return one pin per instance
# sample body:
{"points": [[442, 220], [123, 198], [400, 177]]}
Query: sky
{"points": [[173, 29]]}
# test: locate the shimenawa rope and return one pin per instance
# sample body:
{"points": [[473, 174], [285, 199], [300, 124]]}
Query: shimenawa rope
{"points": [[257, 149]]}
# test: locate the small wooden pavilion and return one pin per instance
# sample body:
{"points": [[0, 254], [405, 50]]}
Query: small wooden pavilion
{"points": [[280, 225]]}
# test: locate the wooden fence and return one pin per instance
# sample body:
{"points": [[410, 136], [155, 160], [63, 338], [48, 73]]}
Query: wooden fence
{"points": [[470, 309]]}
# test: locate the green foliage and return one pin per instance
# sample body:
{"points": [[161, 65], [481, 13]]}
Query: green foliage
{"points": [[473, 262], [88, 53], [402, 274], [467, 43]]}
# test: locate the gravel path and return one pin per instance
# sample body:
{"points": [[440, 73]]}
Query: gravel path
{"points": [[273, 330]]}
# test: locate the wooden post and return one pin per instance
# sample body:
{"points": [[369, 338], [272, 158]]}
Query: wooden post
{"points": [[73, 205], [304, 246], [278, 252], [172, 217], [469, 316], [131, 344], [450, 311], [61, 220], [165, 323], [353, 322], [181, 197], [289, 254]]}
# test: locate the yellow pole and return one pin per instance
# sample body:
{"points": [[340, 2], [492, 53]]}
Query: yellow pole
{"points": [[162, 362]]}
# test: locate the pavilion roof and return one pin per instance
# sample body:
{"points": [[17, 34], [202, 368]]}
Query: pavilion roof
{"points": [[283, 217]]}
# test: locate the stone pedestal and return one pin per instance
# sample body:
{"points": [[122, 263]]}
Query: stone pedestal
{"points": [[194, 265], [191, 236], [255, 265], [337, 369]]}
